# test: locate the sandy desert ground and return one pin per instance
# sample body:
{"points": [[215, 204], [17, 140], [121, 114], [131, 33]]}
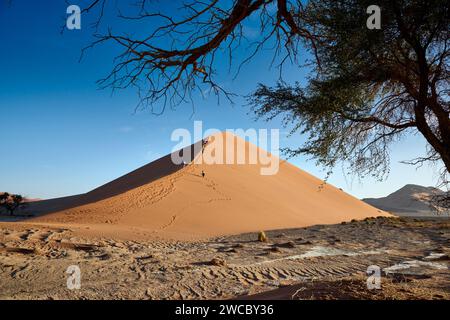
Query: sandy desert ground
{"points": [[317, 262]]}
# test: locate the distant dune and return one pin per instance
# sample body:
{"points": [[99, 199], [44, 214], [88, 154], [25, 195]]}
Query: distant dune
{"points": [[175, 201], [411, 200], [32, 199]]}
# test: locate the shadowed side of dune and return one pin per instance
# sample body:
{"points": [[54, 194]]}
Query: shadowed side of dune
{"points": [[146, 174], [157, 169]]}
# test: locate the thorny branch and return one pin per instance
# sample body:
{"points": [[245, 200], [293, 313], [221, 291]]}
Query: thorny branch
{"points": [[178, 56]]}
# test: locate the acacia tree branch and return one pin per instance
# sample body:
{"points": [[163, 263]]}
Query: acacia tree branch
{"points": [[171, 72]]}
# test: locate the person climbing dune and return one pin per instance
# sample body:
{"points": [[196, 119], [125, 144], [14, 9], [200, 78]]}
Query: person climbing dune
{"points": [[204, 143], [203, 174]]}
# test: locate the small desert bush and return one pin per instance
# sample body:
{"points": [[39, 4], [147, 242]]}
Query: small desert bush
{"points": [[218, 262], [262, 237]]}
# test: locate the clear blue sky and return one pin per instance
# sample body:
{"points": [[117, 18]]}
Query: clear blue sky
{"points": [[61, 135]]}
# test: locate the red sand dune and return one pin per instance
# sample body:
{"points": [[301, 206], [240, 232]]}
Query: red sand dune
{"points": [[175, 201]]}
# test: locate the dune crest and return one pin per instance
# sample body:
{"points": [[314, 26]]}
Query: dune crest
{"points": [[177, 202]]}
